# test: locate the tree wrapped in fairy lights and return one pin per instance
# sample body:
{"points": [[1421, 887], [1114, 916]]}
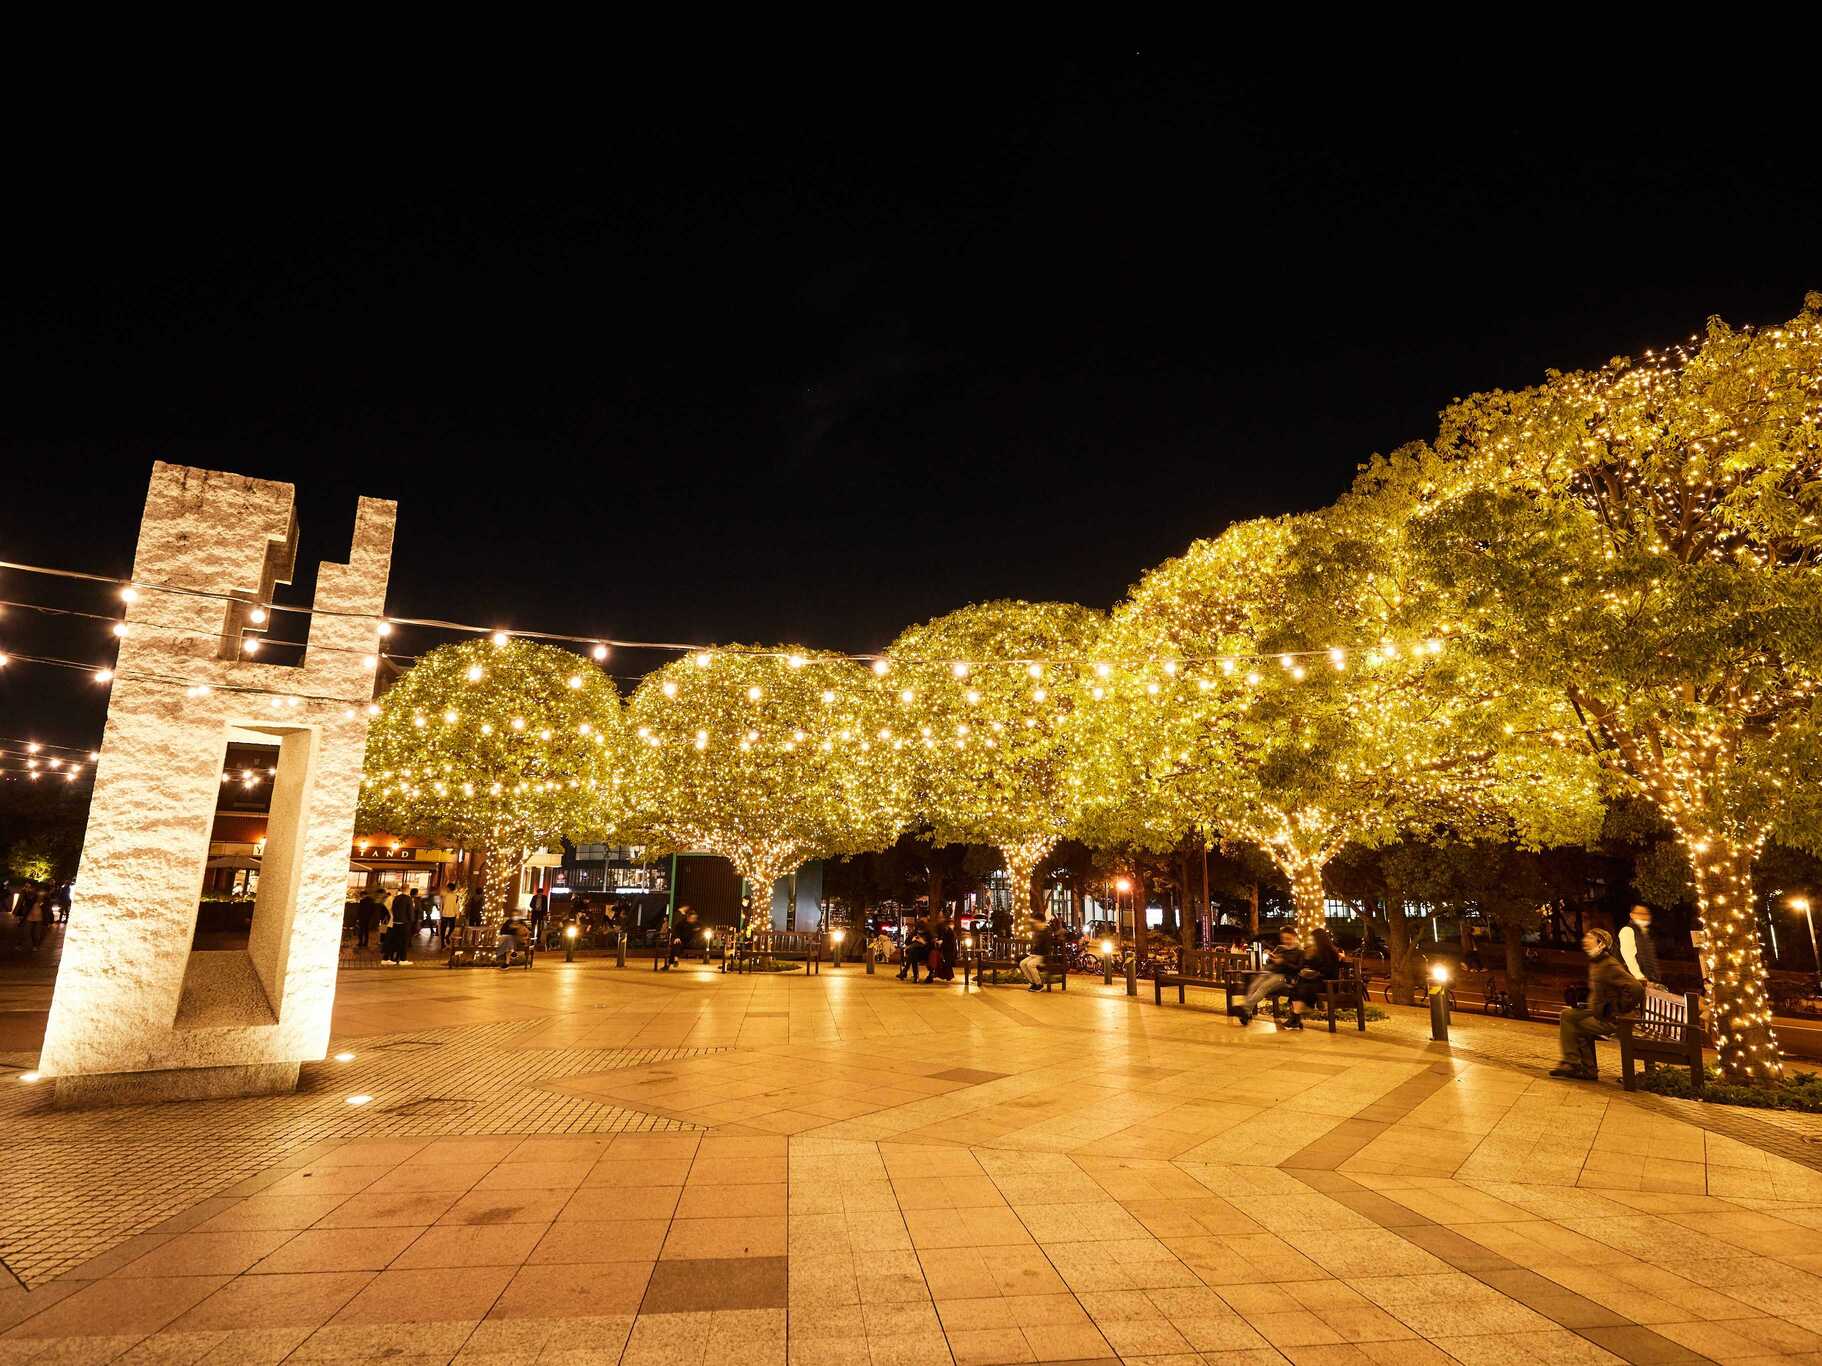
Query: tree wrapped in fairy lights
{"points": [[984, 698], [1270, 685], [1646, 538], [499, 747], [768, 757]]}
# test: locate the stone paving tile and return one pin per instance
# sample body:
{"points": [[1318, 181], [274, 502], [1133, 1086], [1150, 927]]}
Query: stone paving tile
{"points": [[1072, 1178]]}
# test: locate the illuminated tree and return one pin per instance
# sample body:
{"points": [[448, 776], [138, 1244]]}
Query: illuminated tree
{"points": [[1270, 685], [767, 757], [984, 697], [1645, 539], [500, 748]]}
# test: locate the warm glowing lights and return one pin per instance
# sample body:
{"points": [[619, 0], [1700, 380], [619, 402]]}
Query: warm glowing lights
{"points": [[499, 639], [120, 629]]}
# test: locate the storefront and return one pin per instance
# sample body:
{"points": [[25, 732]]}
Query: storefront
{"points": [[385, 867]]}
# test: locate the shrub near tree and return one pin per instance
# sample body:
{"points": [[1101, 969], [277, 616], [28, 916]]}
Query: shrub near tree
{"points": [[497, 748], [768, 757], [1645, 539]]}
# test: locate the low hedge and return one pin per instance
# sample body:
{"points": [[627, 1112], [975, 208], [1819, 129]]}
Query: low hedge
{"points": [[1798, 1091]]}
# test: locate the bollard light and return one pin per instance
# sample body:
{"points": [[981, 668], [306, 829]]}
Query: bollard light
{"points": [[1439, 1002], [968, 941], [569, 942], [840, 935], [1107, 946]]}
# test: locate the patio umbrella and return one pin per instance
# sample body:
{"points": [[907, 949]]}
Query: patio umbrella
{"points": [[241, 863]]}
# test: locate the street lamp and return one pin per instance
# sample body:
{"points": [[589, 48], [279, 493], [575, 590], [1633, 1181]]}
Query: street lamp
{"points": [[569, 942], [1802, 904]]}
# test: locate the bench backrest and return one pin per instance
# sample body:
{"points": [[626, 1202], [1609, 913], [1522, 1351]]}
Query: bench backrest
{"points": [[1666, 1016], [787, 941], [1210, 964], [998, 947]]}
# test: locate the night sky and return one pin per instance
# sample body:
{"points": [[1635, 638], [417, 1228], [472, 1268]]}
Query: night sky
{"points": [[812, 359]]}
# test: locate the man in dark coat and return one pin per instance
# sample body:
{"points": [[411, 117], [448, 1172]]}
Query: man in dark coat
{"points": [[1612, 991], [404, 924], [366, 911]]}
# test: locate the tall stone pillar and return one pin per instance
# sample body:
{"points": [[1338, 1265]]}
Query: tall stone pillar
{"points": [[137, 1014]]}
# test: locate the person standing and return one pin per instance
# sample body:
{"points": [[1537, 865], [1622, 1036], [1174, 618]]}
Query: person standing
{"points": [[942, 949], [452, 908], [1611, 992], [39, 918], [366, 911], [540, 912], [917, 949], [1637, 951], [403, 924]]}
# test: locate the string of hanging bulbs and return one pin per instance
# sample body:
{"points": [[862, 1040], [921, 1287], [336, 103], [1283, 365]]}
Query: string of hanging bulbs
{"points": [[599, 647]]}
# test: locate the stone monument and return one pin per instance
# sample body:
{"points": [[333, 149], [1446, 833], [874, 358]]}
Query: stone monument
{"points": [[138, 1012]]}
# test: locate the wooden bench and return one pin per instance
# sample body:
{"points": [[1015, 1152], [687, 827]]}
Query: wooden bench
{"points": [[1215, 969], [993, 954], [480, 948], [1346, 992], [1665, 1028], [790, 946]]}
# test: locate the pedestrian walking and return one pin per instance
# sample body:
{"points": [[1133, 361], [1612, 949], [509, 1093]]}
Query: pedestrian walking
{"points": [[1612, 991]]}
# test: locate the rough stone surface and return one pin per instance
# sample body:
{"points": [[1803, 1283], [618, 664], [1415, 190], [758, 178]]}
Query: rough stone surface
{"points": [[130, 996]]}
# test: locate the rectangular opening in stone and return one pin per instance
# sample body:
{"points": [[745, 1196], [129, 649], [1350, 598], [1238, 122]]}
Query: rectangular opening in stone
{"points": [[237, 846], [235, 972]]}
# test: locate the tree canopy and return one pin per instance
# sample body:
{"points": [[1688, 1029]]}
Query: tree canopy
{"points": [[766, 756], [987, 694], [1275, 689], [1644, 538], [497, 747]]}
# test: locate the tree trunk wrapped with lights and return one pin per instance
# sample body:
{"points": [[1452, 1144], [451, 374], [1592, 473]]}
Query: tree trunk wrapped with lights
{"points": [[1646, 539]]}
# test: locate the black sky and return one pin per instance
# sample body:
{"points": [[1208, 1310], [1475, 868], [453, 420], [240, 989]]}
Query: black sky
{"points": [[811, 359]]}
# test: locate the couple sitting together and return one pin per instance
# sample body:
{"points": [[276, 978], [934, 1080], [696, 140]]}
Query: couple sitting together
{"points": [[1293, 971]]}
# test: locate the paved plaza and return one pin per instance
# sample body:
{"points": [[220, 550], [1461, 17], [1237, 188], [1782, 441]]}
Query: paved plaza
{"points": [[584, 1164]]}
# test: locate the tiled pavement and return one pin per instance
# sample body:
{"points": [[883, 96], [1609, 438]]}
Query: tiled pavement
{"points": [[584, 1165]]}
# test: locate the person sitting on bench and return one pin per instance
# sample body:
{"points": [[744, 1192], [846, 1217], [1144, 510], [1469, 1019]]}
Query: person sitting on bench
{"points": [[1321, 965], [1281, 970], [511, 939], [1612, 991], [1043, 935]]}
